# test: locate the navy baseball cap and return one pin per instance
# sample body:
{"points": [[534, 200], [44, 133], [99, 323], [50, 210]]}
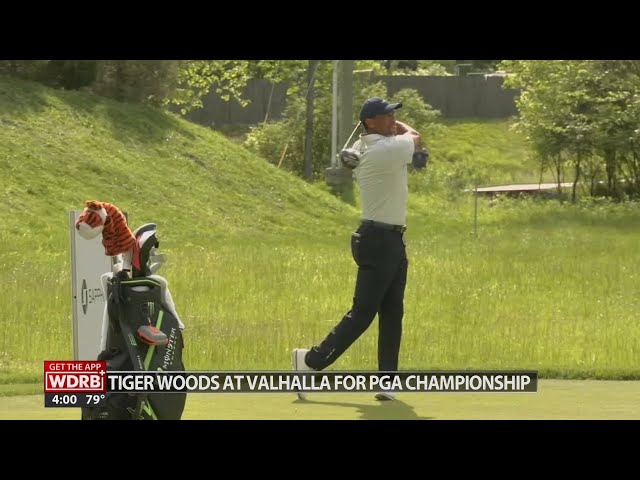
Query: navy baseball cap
{"points": [[377, 106]]}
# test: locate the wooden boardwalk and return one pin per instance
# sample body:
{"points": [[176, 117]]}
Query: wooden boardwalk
{"points": [[531, 188]]}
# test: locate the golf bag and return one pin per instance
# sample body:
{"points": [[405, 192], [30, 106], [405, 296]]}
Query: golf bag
{"points": [[141, 332]]}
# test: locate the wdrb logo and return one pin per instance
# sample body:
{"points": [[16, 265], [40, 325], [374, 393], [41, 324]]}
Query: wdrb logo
{"points": [[75, 377]]}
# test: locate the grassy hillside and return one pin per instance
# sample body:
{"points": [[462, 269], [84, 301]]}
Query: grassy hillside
{"points": [[58, 149], [489, 150]]}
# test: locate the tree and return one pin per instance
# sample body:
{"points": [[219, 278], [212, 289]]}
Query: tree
{"points": [[195, 78], [419, 67], [584, 112]]}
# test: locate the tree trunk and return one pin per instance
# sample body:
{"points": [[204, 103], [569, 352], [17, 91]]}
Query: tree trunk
{"points": [[119, 80], [576, 178], [636, 172], [558, 165], [611, 167]]}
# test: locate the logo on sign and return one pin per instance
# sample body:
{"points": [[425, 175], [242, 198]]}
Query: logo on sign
{"points": [[89, 295], [85, 296]]}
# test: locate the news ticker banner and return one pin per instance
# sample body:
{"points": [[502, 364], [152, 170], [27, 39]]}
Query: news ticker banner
{"points": [[86, 383]]}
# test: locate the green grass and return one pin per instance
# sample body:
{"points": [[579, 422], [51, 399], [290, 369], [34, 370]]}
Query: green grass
{"points": [[542, 286], [59, 149], [17, 389], [555, 400], [259, 261]]}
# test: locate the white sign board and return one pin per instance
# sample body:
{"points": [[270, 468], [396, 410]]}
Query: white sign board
{"points": [[88, 264]]}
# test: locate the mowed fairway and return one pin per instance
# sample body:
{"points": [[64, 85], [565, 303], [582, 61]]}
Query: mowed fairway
{"points": [[555, 400]]}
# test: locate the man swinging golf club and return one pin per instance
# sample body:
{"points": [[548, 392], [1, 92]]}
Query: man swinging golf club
{"points": [[379, 159]]}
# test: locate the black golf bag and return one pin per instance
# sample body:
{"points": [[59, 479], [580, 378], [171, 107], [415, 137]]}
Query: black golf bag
{"points": [[138, 314]]}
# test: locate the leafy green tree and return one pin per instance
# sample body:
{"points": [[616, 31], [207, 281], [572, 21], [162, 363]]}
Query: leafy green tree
{"points": [[420, 67], [281, 143], [582, 113], [25, 69]]}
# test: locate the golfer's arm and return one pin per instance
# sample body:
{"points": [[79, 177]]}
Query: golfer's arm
{"points": [[404, 129]]}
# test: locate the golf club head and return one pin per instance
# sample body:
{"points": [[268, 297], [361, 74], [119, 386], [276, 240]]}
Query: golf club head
{"points": [[350, 157]]}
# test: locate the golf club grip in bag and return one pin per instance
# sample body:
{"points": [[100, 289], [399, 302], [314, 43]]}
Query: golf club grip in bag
{"points": [[132, 303]]}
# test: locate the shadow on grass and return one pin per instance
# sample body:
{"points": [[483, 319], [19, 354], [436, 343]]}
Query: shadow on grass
{"points": [[390, 410]]}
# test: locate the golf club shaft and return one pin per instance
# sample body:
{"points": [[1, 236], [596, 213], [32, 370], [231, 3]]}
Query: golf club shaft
{"points": [[351, 136]]}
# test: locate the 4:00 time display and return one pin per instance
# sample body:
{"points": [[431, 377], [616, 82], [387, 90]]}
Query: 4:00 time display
{"points": [[64, 399], [74, 400]]}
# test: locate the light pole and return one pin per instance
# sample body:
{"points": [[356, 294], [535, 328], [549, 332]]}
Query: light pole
{"points": [[336, 174]]}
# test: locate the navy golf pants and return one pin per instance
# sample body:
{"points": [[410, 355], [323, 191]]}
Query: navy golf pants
{"points": [[382, 276]]}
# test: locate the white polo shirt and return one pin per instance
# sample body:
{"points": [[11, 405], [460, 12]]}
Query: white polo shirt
{"points": [[382, 176]]}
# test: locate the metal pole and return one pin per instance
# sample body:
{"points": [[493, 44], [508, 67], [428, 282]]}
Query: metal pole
{"points": [[345, 100], [475, 211], [334, 116]]}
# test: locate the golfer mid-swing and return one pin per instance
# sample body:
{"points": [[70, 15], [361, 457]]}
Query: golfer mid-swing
{"points": [[385, 150]]}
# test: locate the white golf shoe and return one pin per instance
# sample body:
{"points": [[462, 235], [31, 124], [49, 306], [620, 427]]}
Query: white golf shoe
{"points": [[297, 358], [385, 396]]}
